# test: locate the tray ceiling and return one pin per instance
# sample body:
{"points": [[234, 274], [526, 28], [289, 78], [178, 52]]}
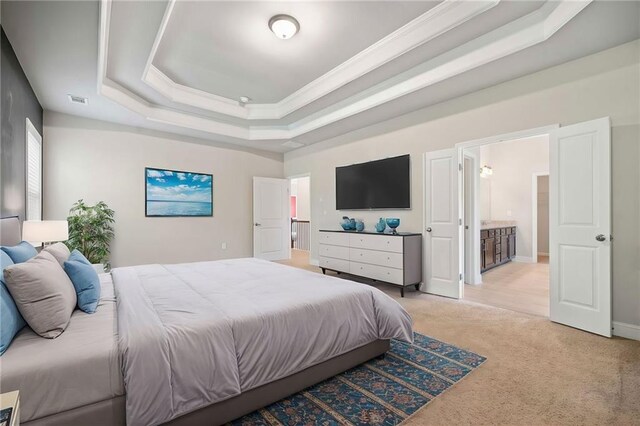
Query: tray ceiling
{"points": [[182, 66]]}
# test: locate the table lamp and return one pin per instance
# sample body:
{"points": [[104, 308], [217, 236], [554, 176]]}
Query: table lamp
{"points": [[45, 231]]}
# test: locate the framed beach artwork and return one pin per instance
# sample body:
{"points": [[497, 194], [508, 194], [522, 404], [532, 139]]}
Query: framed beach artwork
{"points": [[172, 193]]}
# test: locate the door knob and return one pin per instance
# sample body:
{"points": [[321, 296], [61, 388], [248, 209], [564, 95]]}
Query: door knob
{"points": [[429, 229], [601, 237], [257, 224]]}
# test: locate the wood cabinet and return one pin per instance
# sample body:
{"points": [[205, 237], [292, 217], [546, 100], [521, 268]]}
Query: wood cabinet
{"points": [[497, 246]]}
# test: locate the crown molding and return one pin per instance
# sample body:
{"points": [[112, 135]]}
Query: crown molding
{"points": [[436, 21], [513, 37]]}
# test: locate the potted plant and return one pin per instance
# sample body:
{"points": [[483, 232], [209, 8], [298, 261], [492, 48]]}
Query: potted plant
{"points": [[91, 232]]}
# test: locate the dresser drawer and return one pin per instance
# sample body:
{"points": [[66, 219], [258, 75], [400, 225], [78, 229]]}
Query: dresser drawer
{"points": [[380, 273], [377, 242], [334, 238], [334, 264], [380, 258], [337, 252]]}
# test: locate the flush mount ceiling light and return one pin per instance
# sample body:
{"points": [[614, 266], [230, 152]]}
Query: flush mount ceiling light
{"points": [[284, 26], [245, 99]]}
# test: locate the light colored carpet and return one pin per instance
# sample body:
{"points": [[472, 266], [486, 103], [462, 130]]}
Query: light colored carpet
{"points": [[537, 372]]}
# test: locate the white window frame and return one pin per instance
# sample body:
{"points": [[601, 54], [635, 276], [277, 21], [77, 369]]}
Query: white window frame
{"points": [[31, 131]]}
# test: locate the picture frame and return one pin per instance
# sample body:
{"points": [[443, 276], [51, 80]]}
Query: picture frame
{"points": [[177, 193]]}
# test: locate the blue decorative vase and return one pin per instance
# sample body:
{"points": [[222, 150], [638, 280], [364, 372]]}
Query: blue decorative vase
{"points": [[348, 224], [345, 223], [359, 226], [381, 225], [393, 223]]}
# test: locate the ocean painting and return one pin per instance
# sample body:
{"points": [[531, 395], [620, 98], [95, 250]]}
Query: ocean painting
{"points": [[174, 193]]}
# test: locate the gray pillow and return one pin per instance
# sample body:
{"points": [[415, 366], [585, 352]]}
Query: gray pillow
{"points": [[43, 294], [60, 251]]}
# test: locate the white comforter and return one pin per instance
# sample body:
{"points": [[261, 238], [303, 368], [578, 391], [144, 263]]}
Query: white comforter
{"points": [[195, 334]]}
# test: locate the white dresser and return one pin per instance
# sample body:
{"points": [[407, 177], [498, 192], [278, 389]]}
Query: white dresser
{"points": [[392, 258]]}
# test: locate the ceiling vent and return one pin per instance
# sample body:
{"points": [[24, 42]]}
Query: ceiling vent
{"points": [[78, 100], [292, 144]]}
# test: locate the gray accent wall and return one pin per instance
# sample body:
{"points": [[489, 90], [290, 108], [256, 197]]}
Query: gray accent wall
{"points": [[19, 102]]}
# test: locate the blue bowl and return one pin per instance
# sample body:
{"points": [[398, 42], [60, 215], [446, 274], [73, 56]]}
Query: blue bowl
{"points": [[345, 225], [393, 222]]}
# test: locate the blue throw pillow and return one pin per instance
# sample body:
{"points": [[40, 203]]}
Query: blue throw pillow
{"points": [[86, 282], [10, 319], [76, 256], [20, 253]]}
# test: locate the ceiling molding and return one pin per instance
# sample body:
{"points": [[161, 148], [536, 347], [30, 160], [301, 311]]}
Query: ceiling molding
{"points": [[439, 19], [513, 37]]}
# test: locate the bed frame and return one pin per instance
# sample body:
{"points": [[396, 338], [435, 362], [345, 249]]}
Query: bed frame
{"points": [[111, 412]]}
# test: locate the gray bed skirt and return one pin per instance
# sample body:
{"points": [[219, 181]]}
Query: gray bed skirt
{"points": [[112, 412]]}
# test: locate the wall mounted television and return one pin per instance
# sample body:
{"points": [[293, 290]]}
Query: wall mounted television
{"points": [[381, 184]]}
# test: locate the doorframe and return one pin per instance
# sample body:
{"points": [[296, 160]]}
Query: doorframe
{"points": [[313, 262], [474, 223], [534, 214], [460, 147]]}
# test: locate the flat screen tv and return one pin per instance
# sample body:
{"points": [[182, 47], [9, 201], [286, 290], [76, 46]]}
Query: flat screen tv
{"points": [[381, 184]]}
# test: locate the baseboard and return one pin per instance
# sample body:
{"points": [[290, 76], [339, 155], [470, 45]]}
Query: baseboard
{"points": [[628, 331], [314, 262], [523, 259]]}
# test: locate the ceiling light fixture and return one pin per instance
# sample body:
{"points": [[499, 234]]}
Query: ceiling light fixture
{"points": [[245, 99], [284, 26]]}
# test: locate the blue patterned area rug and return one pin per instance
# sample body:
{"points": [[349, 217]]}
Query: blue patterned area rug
{"points": [[383, 391]]}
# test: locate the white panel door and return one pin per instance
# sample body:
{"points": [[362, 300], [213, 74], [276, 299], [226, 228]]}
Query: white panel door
{"points": [[441, 233], [271, 223], [580, 226]]}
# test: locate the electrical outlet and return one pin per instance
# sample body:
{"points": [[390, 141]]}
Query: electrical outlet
{"points": [[224, 246]]}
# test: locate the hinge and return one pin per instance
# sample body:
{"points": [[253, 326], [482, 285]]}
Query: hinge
{"points": [[460, 277], [459, 221], [460, 166]]}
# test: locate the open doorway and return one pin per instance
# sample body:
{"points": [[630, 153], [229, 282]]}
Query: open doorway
{"points": [[300, 206], [506, 211]]}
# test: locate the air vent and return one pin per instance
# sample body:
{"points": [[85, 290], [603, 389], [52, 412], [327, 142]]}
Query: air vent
{"points": [[78, 100], [292, 144]]}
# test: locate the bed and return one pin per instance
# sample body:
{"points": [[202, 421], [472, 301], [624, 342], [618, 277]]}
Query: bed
{"points": [[198, 343]]}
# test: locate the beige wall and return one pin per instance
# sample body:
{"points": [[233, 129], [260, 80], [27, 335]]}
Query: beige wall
{"points": [[605, 84], [300, 188], [510, 187], [96, 161]]}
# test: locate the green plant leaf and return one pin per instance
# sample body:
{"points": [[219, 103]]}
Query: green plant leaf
{"points": [[91, 230]]}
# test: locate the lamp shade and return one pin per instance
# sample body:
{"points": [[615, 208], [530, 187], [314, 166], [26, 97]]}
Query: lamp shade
{"points": [[45, 230]]}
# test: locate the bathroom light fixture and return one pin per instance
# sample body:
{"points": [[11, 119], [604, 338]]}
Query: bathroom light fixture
{"points": [[485, 171], [284, 26]]}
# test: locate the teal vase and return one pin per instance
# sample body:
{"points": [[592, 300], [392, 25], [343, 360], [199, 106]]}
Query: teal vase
{"points": [[381, 225]]}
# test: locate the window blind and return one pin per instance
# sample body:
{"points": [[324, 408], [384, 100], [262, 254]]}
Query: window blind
{"points": [[34, 174]]}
